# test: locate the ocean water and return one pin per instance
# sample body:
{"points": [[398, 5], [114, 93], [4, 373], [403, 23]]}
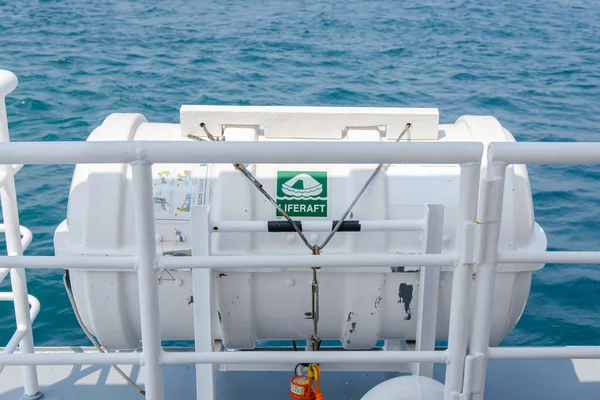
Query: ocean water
{"points": [[535, 66]]}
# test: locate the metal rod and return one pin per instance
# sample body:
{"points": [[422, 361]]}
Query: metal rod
{"points": [[315, 306], [258, 261], [203, 292], [70, 262], [20, 299], [322, 357], [544, 153], [242, 357], [238, 357], [240, 152], [549, 257], [307, 261], [147, 282], [321, 226], [461, 276], [10, 215], [514, 353], [429, 284], [71, 359], [26, 234], [490, 216]]}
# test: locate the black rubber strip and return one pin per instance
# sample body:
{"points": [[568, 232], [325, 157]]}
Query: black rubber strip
{"points": [[282, 226], [347, 226]]}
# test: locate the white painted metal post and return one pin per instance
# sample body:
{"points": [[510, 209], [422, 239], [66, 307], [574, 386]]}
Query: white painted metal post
{"points": [[461, 276], [10, 214], [147, 280], [490, 216], [206, 374], [429, 284]]}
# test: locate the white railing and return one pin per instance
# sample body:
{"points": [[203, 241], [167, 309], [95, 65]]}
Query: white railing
{"points": [[15, 245], [141, 155], [500, 155], [478, 217]]}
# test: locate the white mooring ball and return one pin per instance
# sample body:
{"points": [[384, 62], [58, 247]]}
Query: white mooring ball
{"points": [[411, 387]]}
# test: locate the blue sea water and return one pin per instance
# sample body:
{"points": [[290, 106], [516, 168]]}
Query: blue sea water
{"points": [[534, 65]]}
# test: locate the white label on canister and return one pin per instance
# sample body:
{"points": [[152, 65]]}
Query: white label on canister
{"points": [[176, 188], [297, 390]]}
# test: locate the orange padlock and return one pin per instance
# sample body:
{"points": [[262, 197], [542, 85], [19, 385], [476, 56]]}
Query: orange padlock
{"points": [[301, 386]]}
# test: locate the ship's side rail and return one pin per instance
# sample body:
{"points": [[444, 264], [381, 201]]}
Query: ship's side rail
{"points": [[17, 239], [499, 156], [477, 233], [141, 156]]}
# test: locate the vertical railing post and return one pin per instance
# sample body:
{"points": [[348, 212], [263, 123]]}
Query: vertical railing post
{"points": [[461, 276], [206, 374], [147, 281], [10, 214], [490, 216], [429, 284]]}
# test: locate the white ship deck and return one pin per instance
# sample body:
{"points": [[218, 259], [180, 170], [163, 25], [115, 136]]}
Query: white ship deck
{"points": [[506, 379]]}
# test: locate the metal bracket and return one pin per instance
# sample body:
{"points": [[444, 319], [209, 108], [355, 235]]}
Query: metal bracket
{"points": [[478, 242], [490, 209], [472, 242], [474, 373], [490, 212]]}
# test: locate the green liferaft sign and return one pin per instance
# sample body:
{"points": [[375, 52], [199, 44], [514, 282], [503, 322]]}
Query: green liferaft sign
{"points": [[303, 193]]}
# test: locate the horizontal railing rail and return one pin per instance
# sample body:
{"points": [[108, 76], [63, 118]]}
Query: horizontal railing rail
{"points": [[304, 261], [544, 153], [70, 262], [549, 257], [240, 152], [228, 357], [299, 261], [319, 226], [530, 353]]}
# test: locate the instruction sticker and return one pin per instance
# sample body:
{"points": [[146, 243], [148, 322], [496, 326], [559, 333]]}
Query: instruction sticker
{"points": [[177, 188], [303, 193]]}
